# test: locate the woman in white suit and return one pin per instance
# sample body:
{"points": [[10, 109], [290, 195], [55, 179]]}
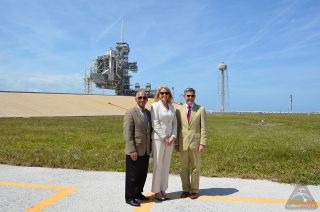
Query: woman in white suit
{"points": [[164, 123]]}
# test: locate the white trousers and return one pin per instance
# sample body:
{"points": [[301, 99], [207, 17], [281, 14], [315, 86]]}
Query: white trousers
{"points": [[161, 165]]}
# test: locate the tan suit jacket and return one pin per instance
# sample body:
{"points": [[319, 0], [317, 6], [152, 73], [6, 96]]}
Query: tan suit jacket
{"points": [[136, 133], [193, 134]]}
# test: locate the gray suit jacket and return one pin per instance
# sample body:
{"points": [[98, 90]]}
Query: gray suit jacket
{"points": [[136, 133]]}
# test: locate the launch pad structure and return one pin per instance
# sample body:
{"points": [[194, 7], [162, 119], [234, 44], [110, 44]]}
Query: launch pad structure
{"points": [[111, 71]]}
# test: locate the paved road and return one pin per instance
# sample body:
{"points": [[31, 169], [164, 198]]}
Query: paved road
{"points": [[46, 189]]}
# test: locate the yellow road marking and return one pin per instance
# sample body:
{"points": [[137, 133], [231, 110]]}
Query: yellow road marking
{"points": [[145, 206], [63, 191]]}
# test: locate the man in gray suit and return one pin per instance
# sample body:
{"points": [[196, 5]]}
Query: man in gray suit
{"points": [[137, 134]]}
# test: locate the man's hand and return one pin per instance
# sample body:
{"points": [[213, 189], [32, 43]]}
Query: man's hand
{"points": [[134, 156], [201, 148], [176, 147]]}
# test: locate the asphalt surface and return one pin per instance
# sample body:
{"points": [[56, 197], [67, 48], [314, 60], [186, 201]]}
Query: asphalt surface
{"points": [[47, 189]]}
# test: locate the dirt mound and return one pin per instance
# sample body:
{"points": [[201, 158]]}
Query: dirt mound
{"points": [[23, 104]]}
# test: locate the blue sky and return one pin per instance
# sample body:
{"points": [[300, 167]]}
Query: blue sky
{"points": [[271, 47]]}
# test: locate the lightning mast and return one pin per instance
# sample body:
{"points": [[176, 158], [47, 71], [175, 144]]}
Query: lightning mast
{"points": [[223, 84]]}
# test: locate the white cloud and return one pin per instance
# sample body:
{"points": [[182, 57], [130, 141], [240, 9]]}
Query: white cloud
{"points": [[107, 29], [264, 29], [39, 82]]}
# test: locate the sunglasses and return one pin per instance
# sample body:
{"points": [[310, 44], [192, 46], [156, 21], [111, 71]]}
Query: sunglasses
{"points": [[166, 93], [190, 95], [142, 97]]}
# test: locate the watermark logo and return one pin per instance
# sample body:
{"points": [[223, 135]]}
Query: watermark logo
{"points": [[301, 198]]}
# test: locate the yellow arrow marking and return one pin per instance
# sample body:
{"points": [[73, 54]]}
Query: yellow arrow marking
{"points": [[63, 191]]}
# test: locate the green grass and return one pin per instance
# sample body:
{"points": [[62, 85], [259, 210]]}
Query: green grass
{"points": [[286, 153], [92, 143], [238, 146]]}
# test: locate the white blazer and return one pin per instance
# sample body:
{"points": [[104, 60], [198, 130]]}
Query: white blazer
{"points": [[164, 123]]}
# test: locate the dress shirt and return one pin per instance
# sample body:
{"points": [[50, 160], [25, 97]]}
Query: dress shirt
{"points": [[188, 108], [143, 114]]}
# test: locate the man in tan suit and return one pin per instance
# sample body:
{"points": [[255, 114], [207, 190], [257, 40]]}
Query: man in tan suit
{"points": [[137, 134], [191, 142]]}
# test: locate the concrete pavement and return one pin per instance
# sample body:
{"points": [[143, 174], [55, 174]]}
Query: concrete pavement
{"points": [[47, 189]]}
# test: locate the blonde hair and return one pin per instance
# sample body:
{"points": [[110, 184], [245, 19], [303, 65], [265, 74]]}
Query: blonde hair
{"points": [[157, 98]]}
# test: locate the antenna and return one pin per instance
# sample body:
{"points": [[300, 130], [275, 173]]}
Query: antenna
{"points": [[122, 31], [290, 103]]}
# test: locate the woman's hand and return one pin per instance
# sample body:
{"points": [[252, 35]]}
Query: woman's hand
{"points": [[171, 141]]}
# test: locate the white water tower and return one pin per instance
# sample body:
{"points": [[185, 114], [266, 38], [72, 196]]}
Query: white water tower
{"points": [[223, 87]]}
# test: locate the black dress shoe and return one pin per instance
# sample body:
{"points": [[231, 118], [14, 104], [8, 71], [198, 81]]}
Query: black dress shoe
{"points": [[142, 197], [159, 197], [133, 202], [164, 195]]}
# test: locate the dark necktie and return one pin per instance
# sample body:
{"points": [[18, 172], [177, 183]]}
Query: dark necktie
{"points": [[145, 117], [189, 114]]}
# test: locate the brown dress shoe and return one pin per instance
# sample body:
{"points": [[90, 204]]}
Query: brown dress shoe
{"points": [[184, 194], [194, 196]]}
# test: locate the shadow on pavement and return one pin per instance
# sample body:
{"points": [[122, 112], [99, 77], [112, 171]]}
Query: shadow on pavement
{"points": [[170, 196], [202, 192], [217, 191]]}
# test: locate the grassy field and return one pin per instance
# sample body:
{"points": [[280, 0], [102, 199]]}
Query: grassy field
{"points": [[286, 148]]}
